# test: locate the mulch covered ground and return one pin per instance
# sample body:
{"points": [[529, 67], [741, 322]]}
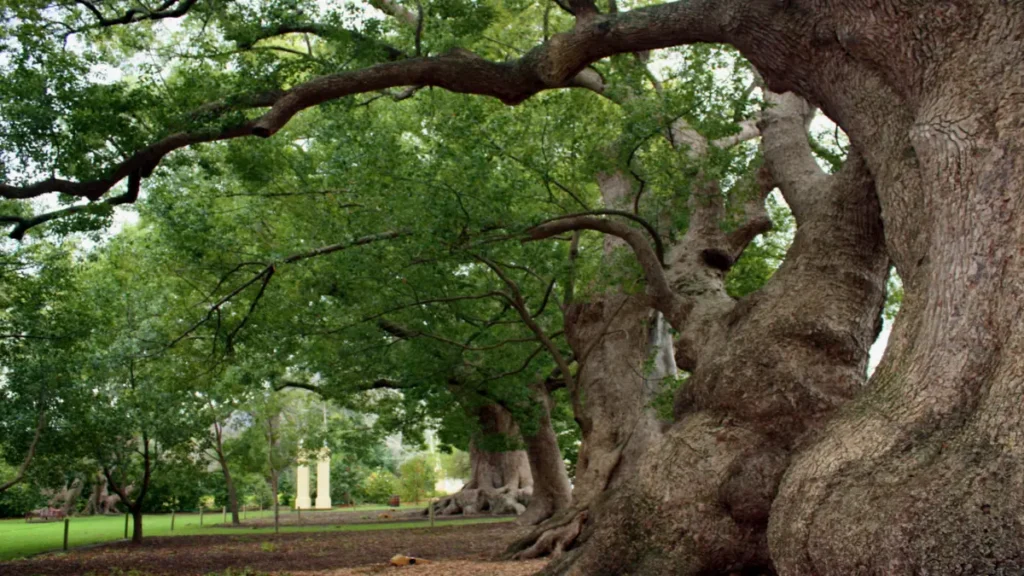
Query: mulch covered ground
{"points": [[454, 550]]}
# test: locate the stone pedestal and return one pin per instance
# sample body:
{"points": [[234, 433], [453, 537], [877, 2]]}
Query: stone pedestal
{"points": [[302, 487], [323, 481]]}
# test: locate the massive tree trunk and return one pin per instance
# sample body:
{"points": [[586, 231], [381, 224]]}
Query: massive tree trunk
{"points": [[67, 497], [765, 371], [552, 491], [613, 396], [923, 473], [500, 481], [613, 337]]}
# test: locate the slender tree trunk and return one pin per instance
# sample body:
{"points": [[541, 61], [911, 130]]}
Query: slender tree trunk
{"points": [[223, 461], [552, 491], [232, 493], [136, 510], [273, 488]]}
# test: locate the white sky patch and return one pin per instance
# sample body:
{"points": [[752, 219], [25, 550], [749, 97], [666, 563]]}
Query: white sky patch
{"points": [[878, 348]]}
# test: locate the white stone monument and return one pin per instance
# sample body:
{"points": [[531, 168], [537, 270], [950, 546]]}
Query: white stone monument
{"points": [[323, 480], [302, 487], [323, 477]]}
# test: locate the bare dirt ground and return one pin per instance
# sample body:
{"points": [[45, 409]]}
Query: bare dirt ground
{"points": [[342, 516], [453, 550]]}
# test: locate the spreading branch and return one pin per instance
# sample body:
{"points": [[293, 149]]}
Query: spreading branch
{"points": [[268, 271], [664, 299], [659, 247], [519, 304], [168, 9], [40, 424], [556, 63], [390, 52]]}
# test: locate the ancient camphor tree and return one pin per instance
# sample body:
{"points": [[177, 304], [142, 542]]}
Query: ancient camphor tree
{"points": [[765, 370], [922, 470], [500, 481]]}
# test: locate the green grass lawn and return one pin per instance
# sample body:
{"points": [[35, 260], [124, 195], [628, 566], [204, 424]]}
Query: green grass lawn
{"points": [[19, 538]]}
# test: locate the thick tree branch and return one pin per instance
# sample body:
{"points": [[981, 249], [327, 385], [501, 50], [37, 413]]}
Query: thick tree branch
{"points": [[748, 131], [788, 153], [23, 225], [659, 247], [583, 10], [165, 10], [40, 424], [393, 8], [554, 64], [664, 299]]}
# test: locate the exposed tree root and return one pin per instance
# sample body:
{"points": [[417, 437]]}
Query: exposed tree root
{"points": [[498, 501]]}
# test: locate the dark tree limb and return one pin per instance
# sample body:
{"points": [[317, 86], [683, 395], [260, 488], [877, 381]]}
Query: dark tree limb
{"points": [[165, 10], [659, 246], [557, 63], [23, 225], [270, 269], [664, 298], [40, 424]]}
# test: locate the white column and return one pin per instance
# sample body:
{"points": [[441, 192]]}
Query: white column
{"points": [[302, 487], [323, 481]]}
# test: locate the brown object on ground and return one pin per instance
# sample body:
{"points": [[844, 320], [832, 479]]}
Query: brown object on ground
{"points": [[318, 552], [403, 560]]}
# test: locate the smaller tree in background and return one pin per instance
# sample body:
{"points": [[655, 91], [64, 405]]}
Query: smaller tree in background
{"points": [[416, 479], [379, 486]]}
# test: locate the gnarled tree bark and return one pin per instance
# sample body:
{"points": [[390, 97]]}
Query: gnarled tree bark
{"points": [[552, 491], [923, 472], [766, 371]]}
